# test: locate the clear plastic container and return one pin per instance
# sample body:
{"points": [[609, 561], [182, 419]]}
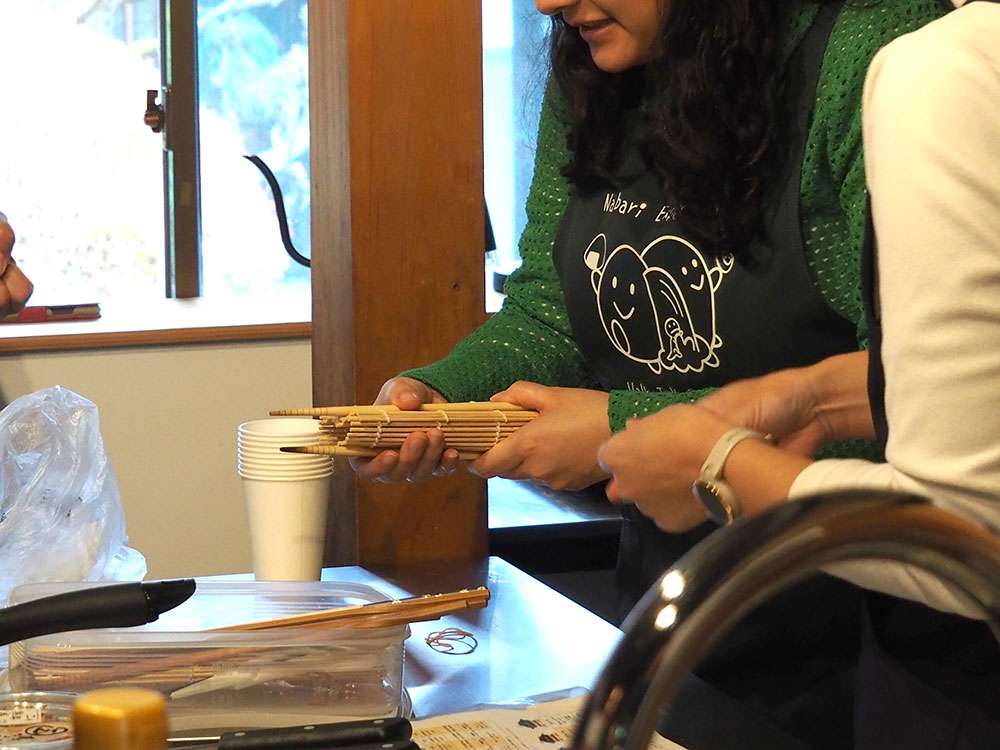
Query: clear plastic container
{"points": [[227, 680], [36, 720]]}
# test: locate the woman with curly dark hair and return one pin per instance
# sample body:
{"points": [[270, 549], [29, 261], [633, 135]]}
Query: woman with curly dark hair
{"points": [[695, 217], [707, 105]]}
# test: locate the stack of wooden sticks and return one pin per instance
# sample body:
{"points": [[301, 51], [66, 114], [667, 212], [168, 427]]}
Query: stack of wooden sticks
{"points": [[471, 428]]}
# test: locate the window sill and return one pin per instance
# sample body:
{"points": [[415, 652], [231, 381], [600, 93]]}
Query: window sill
{"points": [[166, 321]]}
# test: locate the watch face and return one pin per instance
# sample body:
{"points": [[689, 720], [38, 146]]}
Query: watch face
{"points": [[711, 499]]}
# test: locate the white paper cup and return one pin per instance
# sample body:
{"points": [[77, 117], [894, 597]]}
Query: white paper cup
{"points": [[259, 455], [282, 468], [275, 448], [254, 472], [248, 474], [287, 527], [277, 463], [274, 451], [267, 443], [279, 427]]}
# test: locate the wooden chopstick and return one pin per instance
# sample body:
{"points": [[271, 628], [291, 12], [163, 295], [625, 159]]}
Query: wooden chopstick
{"points": [[409, 427], [341, 450], [338, 411], [396, 611]]}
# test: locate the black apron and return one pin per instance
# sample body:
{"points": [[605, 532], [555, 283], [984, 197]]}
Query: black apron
{"points": [[926, 680], [650, 311]]}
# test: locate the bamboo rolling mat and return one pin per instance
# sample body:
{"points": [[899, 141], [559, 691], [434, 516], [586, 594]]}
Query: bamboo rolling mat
{"points": [[471, 428]]}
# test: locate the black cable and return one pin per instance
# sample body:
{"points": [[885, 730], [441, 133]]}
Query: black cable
{"points": [[279, 208]]}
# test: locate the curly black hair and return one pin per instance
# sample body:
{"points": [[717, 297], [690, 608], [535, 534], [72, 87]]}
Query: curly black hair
{"points": [[708, 104]]}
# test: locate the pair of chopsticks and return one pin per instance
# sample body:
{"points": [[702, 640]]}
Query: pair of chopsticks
{"points": [[471, 428], [376, 614]]}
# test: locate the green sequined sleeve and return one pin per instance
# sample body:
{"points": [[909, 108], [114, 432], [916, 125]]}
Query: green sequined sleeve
{"points": [[530, 337], [623, 405], [833, 193]]}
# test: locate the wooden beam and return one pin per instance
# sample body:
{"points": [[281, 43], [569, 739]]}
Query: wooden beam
{"points": [[397, 242]]}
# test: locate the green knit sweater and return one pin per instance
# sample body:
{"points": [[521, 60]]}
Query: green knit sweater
{"points": [[530, 337]]}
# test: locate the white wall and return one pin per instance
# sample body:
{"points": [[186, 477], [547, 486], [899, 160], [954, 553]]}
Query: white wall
{"points": [[168, 418]]}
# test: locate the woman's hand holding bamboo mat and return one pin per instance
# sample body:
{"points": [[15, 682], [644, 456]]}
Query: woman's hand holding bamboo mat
{"points": [[471, 428]]}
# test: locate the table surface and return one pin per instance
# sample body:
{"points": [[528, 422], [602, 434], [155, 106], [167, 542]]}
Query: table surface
{"points": [[520, 510], [531, 639]]}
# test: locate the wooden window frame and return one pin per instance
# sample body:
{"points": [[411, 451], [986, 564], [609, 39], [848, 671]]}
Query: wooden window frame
{"points": [[181, 162]]}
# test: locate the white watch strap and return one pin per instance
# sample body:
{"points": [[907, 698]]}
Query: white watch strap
{"points": [[716, 461]]}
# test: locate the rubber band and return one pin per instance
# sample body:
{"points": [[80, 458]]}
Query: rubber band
{"points": [[452, 641]]}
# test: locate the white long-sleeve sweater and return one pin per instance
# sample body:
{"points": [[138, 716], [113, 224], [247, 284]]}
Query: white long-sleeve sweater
{"points": [[931, 123]]}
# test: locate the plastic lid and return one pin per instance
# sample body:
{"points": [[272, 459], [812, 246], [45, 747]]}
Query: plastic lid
{"points": [[120, 719]]}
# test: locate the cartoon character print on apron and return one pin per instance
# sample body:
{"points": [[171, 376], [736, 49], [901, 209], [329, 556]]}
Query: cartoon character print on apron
{"points": [[657, 305], [652, 310]]}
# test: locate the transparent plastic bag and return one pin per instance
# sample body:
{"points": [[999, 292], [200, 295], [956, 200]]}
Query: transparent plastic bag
{"points": [[61, 517]]}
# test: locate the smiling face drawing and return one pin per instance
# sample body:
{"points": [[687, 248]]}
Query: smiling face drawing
{"points": [[694, 275], [658, 306], [625, 306]]}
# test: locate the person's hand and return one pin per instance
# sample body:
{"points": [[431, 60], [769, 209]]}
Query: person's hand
{"points": [[656, 459], [801, 408], [781, 404], [15, 287], [422, 454], [559, 447]]}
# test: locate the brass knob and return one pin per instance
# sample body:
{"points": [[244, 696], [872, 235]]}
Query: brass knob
{"points": [[120, 719]]}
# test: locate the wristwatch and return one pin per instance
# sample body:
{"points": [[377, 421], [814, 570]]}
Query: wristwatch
{"points": [[711, 490]]}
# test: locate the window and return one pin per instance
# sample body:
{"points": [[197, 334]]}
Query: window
{"points": [[515, 59], [82, 176], [253, 88]]}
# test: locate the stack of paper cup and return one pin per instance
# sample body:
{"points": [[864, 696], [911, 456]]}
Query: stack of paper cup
{"points": [[286, 495]]}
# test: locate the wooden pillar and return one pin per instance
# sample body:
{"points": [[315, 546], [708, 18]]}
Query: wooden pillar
{"points": [[397, 242]]}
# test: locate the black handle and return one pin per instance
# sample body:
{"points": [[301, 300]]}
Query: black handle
{"points": [[391, 734], [116, 606]]}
